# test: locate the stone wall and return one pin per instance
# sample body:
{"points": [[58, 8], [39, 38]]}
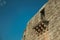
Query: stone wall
{"points": [[52, 14]]}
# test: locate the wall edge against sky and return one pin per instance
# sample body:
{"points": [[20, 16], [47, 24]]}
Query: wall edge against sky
{"points": [[37, 12]]}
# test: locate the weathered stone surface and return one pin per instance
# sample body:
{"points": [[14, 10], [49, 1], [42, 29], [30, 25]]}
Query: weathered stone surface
{"points": [[52, 14]]}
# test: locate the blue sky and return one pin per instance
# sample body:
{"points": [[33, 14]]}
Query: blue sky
{"points": [[14, 15]]}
